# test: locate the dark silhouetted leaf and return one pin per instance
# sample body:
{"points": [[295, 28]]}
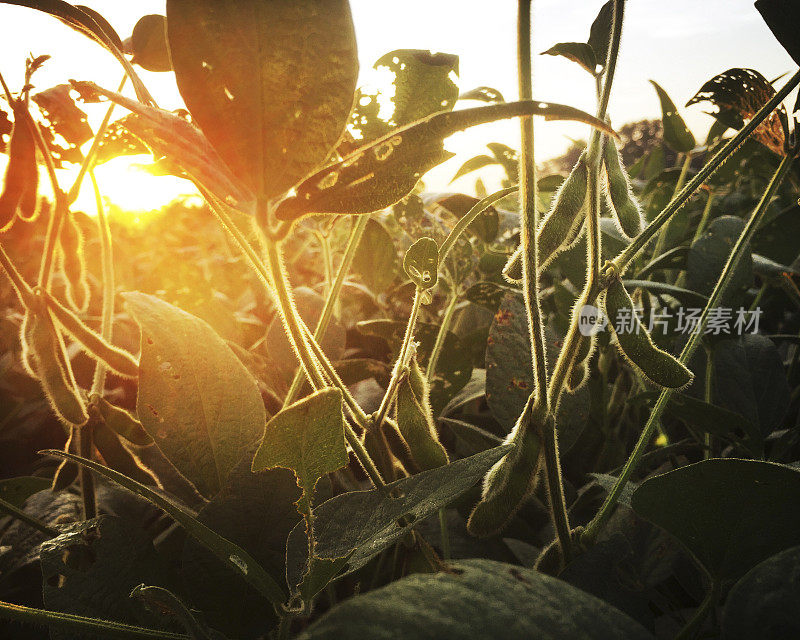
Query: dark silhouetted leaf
{"points": [[709, 253], [200, 405], [91, 568], [376, 260], [764, 603], [148, 43], [501, 600], [730, 514], [17, 490], [358, 525], [600, 33], [738, 94], [421, 263], [782, 18], [382, 172], [580, 52], [270, 84]]}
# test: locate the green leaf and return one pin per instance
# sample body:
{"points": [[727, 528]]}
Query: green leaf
{"points": [[473, 164], [162, 601], [271, 84], [771, 270], [308, 438], [255, 511], [17, 490], [709, 253], [749, 379], [385, 170], [360, 524], [196, 399], [765, 601], [495, 599], [730, 514], [148, 43], [483, 94], [686, 296], [580, 52], [423, 83], [470, 439], [676, 133], [122, 423], [376, 258], [485, 226], [600, 33], [488, 294], [711, 418], [232, 555], [421, 263], [91, 568]]}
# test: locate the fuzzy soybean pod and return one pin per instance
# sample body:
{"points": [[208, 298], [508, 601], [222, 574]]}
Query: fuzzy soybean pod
{"points": [[636, 345], [625, 206], [509, 482], [48, 361], [561, 227], [415, 421], [22, 177], [579, 374], [119, 361], [72, 262]]}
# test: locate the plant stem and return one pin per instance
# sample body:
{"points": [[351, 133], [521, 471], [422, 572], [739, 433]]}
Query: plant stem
{"points": [[662, 236], [444, 534], [623, 260], [330, 301], [327, 260], [22, 288], [707, 397], [400, 364], [594, 527], [696, 621], [85, 436], [444, 328], [81, 625], [701, 225], [35, 523], [88, 161], [107, 261]]}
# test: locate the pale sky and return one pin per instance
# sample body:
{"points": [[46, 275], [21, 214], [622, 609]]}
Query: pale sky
{"points": [[680, 44]]}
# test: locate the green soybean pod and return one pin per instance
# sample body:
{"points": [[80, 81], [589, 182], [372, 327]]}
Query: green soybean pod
{"points": [[48, 360], [637, 346], [579, 374], [561, 227], [119, 361], [72, 262], [625, 206], [415, 421], [509, 482]]}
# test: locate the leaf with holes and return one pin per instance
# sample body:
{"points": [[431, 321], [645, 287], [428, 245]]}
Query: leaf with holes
{"points": [[384, 171], [360, 524], [421, 263], [308, 438], [738, 94], [270, 84], [201, 407]]}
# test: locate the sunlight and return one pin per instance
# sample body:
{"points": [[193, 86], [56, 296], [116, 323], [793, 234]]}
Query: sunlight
{"points": [[127, 183]]}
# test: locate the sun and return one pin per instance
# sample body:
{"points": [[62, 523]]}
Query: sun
{"points": [[127, 183]]}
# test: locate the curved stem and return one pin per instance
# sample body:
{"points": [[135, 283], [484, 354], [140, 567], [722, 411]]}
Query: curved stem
{"points": [[696, 621], [623, 260], [23, 289], [597, 523], [444, 328], [32, 522], [82, 624], [107, 261], [401, 363], [330, 301], [664, 232]]}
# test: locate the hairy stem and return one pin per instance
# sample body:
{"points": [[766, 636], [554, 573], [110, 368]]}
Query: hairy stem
{"points": [[107, 261], [35, 523], [333, 294], [80, 625], [444, 328], [597, 523]]}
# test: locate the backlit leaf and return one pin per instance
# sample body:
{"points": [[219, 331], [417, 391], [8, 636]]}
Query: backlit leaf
{"points": [[199, 404], [676, 133], [270, 83]]}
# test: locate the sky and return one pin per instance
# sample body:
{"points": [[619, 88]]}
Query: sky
{"points": [[680, 44]]}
